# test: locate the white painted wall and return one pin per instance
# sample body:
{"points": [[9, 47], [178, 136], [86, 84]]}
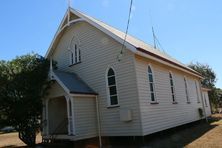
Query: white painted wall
{"points": [[98, 52], [84, 109], [157, 117], [207, 103], [85, 117]]}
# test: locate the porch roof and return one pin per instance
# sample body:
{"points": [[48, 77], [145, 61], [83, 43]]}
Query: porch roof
{"points": [[73, 83]]}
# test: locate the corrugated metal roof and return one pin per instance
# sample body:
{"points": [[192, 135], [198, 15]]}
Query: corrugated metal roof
{"points": [[138, 43], [73, 83]]}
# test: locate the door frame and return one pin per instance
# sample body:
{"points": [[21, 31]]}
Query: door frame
{"points": [[70, 115]]}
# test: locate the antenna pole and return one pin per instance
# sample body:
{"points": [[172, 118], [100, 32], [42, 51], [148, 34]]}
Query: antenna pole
{"points": [[154, 38], [69, 6], [69, 3]]}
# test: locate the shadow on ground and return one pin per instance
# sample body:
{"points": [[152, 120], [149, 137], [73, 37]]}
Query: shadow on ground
{"points": [[171, 138], [175, 137]]}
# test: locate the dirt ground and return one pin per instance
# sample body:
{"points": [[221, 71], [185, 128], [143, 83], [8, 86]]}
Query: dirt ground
{"points": [[12, 140], [210, 139], [196, 135]]}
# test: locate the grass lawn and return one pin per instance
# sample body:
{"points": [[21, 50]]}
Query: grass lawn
{"points": [[196, 135]]}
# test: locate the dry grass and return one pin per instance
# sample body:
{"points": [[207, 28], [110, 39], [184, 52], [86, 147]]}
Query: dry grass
{"points": [[197, 135], [200, 135], [211, 139], [12, 140]]}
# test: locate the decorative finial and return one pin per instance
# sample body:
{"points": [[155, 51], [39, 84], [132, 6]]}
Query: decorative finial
{"points": [[69, 3]]}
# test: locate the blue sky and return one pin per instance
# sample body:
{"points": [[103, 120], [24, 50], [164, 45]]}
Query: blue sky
{"points": [[188, 30]]}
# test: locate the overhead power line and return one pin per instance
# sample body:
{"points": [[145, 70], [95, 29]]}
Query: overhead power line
{"points": [[127, 28]]}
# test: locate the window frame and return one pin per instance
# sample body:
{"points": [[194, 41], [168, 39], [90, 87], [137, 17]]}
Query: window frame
{"points": [[205, 99], [197, 91], [75, 51], [171, 77], [186, 90], [109, 105], [153, 84]]}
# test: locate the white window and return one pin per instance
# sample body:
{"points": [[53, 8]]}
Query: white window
{"points": [[151, 84], [186, 90], [198, 96], [205, 99], [111, 88], [172, 87], [75, 53]]}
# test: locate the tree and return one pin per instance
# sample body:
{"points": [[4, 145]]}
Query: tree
{"points": [[209, 80], [207, 72], [23, 83]]}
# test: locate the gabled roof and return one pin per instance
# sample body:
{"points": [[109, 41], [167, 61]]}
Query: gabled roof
{"points": [[135, 45], [72, 83]]}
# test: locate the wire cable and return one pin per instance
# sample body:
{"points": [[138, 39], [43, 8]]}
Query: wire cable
{"points": [[127, 27]]}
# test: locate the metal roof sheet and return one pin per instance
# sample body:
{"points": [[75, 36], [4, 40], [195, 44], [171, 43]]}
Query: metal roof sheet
{"points": [[138, 44], [73, 83]]}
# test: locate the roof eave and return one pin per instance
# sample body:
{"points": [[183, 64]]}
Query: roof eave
{"points": [[83, 93], [112, 35], [147, 54], [115, 37], [56, 34]]}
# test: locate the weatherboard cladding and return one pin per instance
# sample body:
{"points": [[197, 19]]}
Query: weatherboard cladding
{"points": [[84, 109], [165, 114], [138, 45], [98, 52], [74, 84]]}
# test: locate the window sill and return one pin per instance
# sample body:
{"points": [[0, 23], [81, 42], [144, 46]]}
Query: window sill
{"points": [[154, 103], [113, 106], [188, 102], [174, 102], [75, 64]]}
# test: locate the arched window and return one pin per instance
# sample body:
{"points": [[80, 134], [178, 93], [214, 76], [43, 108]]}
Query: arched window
{"points": [[75, 53], [196, 84], [186, 90], [205, 100], [151, 84], [111, 87], [172, 87]]}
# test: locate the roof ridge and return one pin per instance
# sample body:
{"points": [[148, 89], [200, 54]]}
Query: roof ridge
{"points": [[134, 40], [117, 29], [130, 35], [132, 43]]}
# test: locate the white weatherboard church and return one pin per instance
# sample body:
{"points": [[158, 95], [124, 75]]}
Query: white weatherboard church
{"points": [[97, 92]]}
